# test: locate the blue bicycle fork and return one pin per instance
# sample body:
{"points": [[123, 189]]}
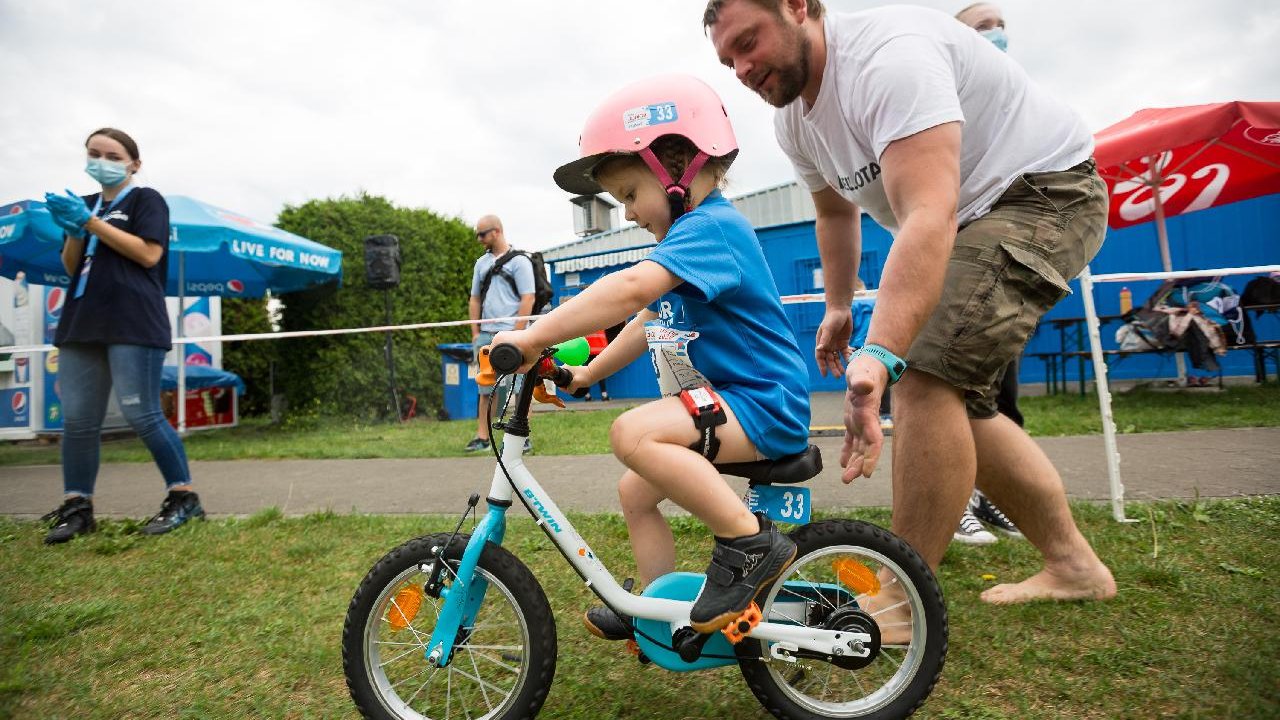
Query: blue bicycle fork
{"points": [[463, 597]]}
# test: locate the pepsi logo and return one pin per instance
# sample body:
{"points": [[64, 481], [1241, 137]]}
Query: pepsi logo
{"points": [[235, 286], [53, 302], [19, 402]]}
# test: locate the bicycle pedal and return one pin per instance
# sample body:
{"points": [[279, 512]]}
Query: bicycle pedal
{"points": [[742, 625]]}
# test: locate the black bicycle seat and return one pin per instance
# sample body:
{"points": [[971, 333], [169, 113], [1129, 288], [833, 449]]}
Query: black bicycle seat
{"points": [[786, 470]]}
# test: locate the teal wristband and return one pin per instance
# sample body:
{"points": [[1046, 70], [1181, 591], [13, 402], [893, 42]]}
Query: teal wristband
{"points": [[894, 364]]}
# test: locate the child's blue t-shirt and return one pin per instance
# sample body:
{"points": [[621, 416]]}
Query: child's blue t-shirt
{"points": [[745, 346]]}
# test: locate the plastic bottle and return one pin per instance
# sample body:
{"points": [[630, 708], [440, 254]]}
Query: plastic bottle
{"points": [[1126, 300]]}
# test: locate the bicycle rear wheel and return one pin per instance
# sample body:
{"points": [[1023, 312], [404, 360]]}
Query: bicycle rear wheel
{"points": [[852, 576], [502, 664]]}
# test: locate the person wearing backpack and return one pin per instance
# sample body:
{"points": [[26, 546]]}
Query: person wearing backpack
{"points": [[502, 286]]}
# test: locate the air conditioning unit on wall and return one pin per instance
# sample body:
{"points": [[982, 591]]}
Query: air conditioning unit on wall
{"points": [[593, 214]]}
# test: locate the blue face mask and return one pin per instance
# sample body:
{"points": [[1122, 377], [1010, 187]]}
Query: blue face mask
{"points": [[997, 38], [107, 172]]}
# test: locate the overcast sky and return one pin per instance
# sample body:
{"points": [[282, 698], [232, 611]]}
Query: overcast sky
{"points": [[466, 108]]}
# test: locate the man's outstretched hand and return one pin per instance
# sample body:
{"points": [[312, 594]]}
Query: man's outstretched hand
{"points": [[867, 379], [831, 345]]}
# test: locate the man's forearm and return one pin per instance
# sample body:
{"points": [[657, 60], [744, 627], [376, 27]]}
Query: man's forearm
{"points": [[526, 308], [473, 308], [912, 281], [840, 249]]}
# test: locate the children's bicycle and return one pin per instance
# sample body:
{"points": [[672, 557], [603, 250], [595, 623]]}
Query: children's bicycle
{"points": [[453, 625]]}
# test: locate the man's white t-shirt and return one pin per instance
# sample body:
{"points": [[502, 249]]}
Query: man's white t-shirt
{"points": [[892, 72]]}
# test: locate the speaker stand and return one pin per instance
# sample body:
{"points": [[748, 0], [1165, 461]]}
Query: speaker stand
{"points": [[391, 361]]}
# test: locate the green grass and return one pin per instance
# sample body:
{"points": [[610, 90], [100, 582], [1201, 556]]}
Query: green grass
{"points": [[1146, 410], [560, 433], [587, 432], [242, 618]]}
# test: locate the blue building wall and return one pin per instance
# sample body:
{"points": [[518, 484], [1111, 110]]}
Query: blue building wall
{"points": [[1241, 234]]}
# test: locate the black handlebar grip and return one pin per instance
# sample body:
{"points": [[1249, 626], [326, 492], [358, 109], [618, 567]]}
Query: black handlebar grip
{"points": [[562, 378], [505, 358]]}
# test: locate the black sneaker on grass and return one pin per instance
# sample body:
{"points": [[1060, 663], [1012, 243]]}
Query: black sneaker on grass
{"points": [[73, 517], [476, 445], [740, 569], [178, 507], [987, 512], [606, 624], [971, 532]]}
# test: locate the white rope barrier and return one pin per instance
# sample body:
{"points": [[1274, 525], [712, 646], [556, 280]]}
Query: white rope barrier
{"points": [[1184, 274], [242, 337]]}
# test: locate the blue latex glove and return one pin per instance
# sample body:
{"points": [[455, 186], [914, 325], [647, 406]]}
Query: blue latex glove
{"points": [[68, 227], [69, 209]]}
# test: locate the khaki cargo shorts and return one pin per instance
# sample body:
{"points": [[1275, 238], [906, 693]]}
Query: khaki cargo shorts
{"points": [[1007, 269]]}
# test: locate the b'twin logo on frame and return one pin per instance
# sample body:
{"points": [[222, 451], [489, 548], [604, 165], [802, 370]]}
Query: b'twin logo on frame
{"points": [[542, 510]]}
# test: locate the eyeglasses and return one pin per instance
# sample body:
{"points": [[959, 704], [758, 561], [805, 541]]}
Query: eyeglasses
{"points": [[480, 235]]}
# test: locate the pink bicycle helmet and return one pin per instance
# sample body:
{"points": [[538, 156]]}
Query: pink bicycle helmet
{"points": [[629, 120]]}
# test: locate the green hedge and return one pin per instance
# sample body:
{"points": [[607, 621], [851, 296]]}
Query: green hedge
{"points": [[346, 375]]}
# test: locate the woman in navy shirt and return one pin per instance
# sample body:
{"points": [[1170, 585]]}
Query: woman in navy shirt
{"points": [[114, 331]]}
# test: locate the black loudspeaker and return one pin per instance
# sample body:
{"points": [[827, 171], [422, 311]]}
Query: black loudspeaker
{"points": [[382, 261]]}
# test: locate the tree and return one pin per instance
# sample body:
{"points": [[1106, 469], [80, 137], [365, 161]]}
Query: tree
{"points": [[346, 374]]}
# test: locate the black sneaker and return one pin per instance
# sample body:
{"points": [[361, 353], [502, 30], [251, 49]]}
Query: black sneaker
{"points": [[740, 569], [476, 445], [179, 507], [987, 512], [971, 532], [73, 517], [606, 624]]}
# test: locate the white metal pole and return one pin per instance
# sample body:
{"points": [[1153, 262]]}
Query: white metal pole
{"points": [[1104, 397], [182, 347]]}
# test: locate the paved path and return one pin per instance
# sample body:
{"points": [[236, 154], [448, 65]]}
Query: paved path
{"points": [[1214, 463]]}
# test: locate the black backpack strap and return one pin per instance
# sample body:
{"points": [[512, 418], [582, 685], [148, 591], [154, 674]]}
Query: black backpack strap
{"points": [[495, 269]]}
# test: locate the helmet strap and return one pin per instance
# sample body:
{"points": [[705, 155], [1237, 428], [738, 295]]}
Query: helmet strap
{"points": [[677, 192]]}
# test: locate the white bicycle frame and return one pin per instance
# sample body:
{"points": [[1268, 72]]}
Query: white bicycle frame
{"points": [[786, 638]]}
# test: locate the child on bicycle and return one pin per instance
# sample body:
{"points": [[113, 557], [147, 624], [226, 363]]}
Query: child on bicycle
{"points": [[707, 308]]}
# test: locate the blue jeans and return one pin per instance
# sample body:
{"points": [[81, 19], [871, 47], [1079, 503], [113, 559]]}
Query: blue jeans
{"points": [[85, 376]]}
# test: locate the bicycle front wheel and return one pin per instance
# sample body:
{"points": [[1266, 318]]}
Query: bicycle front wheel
{"points": [[502, 663], [856, 577]]}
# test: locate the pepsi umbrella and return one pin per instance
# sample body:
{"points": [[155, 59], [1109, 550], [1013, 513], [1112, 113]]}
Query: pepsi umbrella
{"points": [[230, 255], [31, 242]]}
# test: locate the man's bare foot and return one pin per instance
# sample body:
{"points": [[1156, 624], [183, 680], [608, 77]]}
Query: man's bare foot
{"points": [[1047, 585], [890, 610]]}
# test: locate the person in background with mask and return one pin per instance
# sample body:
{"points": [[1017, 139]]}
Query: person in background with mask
{"points": [[114, 331], [989, 22]]}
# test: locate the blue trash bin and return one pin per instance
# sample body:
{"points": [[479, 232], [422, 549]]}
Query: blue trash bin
{"points": [[460, 395]]}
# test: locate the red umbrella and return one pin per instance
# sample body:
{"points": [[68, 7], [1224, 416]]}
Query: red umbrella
{"points": [[1198, 156]]}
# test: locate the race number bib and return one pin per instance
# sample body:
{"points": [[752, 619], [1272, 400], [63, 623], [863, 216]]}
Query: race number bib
{"points": [[780, 503], [669, 351]]}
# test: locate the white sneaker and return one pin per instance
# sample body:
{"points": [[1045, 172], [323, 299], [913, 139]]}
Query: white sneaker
{"points": [[971, 531]]}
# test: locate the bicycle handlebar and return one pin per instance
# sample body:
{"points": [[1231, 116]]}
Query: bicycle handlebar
{"points": [[506, 358]]}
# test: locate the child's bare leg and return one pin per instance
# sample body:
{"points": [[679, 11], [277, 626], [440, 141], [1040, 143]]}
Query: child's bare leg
{"points": [[652, 543], [653, 439]]}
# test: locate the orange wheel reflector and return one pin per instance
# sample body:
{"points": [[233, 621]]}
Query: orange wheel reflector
{"points": [[857, 576], [404, 607]]}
